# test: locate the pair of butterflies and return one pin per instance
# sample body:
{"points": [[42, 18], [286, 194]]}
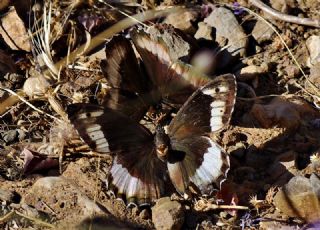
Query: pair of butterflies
{"points": [[183, 150]]}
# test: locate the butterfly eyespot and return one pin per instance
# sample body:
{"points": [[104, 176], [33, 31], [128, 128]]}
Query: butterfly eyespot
{"points": [[88, 114], [217, 90]]}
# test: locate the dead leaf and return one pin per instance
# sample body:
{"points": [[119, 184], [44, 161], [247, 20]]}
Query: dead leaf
{"points": [[34, 161]]}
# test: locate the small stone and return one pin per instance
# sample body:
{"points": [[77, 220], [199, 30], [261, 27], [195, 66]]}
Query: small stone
{"points": [[282, 5], [228, 33], [183, 21], [9, 136], [178, 43], [64, 196], [167, 214], [281, 167], [204, 31], [313, 45], [13, 29], [251, 72], [262, 32], [292, 71], [7, 196], [313, 83], [297, 199]]}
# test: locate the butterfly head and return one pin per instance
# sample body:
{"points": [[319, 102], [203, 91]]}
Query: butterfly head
{"points": [[162, 143]]}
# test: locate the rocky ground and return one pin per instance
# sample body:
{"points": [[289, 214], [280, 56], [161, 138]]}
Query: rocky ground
{"points": [[49, 179]]}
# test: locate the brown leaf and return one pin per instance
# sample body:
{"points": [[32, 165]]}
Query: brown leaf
{"points": [[34, 161]]}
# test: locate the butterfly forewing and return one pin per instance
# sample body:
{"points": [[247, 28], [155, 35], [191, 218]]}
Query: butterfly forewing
{"points": [[155, 55], [207, 110], [136, 171], [128, 83], [174, 80], [121, 67]]}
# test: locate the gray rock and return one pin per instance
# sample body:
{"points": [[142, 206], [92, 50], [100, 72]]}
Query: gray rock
{"points": [[204, 31], [313, 83], [313, 45], [298, 198], [183, 21], [262, 32], [167, 214], [178, 43], [9, 136], [7, 196], [228, 33]]}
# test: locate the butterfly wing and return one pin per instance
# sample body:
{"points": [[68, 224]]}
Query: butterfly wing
{"points": [[200, 161], [207, 110], [174, 80], [136, 171], [121, 70]]}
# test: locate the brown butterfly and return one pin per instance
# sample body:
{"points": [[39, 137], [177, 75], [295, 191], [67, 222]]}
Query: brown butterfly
{"points": [[182, 151]]}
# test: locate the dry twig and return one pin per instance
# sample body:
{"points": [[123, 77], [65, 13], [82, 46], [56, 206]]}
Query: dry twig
{"points": [[285, 17], [207, 205]]}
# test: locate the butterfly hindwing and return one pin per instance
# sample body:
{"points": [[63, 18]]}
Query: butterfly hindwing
{"points": [[204, 162], [136, 172]]}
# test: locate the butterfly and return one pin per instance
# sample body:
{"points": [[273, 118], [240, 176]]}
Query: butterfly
{"points": [[134, 89], [182, 151]]}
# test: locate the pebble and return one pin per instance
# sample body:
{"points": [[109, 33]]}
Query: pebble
{"points": [[9, 136], [204, 31], [251, 72], [313, 45], [313, 83], [262, 32], [228, 33], [178, 43], [167, 214], [183, 21], [7, 196], [298, 199]]}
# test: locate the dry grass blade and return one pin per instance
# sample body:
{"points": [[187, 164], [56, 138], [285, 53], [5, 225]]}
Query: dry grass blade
{"points": [[207, 205], [29, 104], [7, 217], [42, 40]]}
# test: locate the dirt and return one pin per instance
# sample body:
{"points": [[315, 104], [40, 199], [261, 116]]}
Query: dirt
{"points": [[273, 136]]}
